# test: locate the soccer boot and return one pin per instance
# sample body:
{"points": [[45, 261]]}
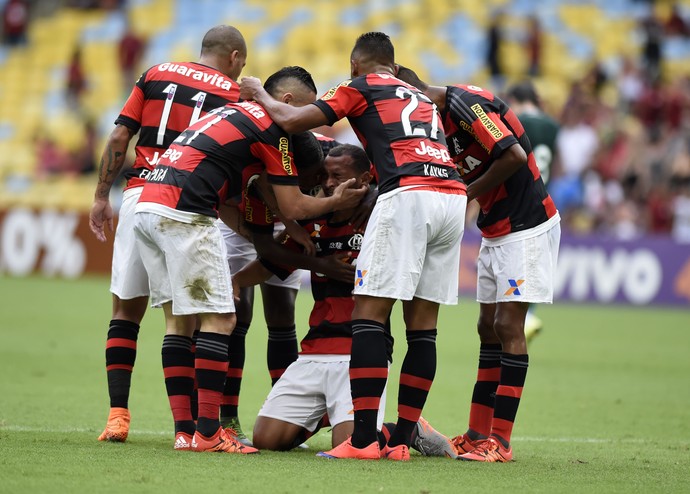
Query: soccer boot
{"points": [[491, 451], [234, 429], [396, 453], [430, 442], [117, 427], [463, 444], [183, 442], [347, 450], [220, 442]]}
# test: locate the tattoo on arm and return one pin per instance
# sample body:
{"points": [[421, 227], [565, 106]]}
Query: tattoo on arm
{"points": [[111, 163]]}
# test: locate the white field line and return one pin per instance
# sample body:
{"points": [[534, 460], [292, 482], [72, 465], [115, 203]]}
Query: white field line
{"points": [[529, 439]]}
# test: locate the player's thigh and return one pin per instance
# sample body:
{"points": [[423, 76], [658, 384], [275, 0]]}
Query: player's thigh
{"points": [[128, 275], [524, 269], [297, 397], [153, 258], [438, 281], [198, 268]]}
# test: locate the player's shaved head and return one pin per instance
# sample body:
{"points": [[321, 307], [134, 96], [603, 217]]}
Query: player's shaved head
{"points": [[293, 79], [360, 161], [222, 41], [410, 76], [374, 48]]}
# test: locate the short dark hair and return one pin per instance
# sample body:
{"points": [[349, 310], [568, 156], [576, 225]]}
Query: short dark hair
{"points": [[306, 151], [375, 46], [291, 72], [360, 160], [410, 76], [523, 92]]}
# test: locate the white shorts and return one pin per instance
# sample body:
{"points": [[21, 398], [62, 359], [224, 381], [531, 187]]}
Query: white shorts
{"points": [[519, 271], [186, 264], [128, 278], [411, 247], [311, 387], [241, 252]]}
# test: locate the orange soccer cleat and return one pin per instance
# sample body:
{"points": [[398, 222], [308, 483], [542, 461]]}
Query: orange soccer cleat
{"points": [[463, 444], [220, 442], [396, 453], [117, 427], [347, 450], [491, 451]]}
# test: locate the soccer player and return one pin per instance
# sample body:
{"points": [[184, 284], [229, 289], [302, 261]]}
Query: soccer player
{"points": [[165, 100], [292, 85], [411, 247], [520, 238], [184, 253], [542, 131], [317, 384]]}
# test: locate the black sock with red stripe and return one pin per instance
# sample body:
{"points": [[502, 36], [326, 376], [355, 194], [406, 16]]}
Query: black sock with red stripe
{"points": [[484, 393], [368, 376], [211, 364], [233, 380], [416, 376], [120, 354], [178, 369], [195, 393], [508, 394], [281, 351]]}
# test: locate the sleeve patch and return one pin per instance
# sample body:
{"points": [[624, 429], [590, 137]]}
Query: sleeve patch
{"points": [[487, 122], [331, 92]]}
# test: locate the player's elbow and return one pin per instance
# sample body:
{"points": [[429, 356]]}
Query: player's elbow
{"points": [[120, 136], [515, 157]]}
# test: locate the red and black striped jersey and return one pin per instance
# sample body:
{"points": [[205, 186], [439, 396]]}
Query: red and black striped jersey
{"points": [[399, 128], [205, 164], [330, 322], [166, 100], [479, 128]]}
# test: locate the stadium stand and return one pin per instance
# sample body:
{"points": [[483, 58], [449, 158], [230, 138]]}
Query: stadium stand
{"points": [[444, 41]]}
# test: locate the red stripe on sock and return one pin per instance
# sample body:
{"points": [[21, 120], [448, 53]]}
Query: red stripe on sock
{"points": [[121, 343], [215, 365], [230, 400], [181, 408], [503, 428], [491, 374], [234, 372], [409, 413], [209, 403], [480, 418], [415, 382], [369, 372], [366, 403], [512, 391], [178, 371], [119, 367], [276, 373]]}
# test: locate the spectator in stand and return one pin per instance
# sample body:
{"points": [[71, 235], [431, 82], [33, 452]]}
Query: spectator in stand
{"points": [[130, 50], [15, 20], [533, 45], [676, 25], [653, 33], [76, 80], [494, 40]]}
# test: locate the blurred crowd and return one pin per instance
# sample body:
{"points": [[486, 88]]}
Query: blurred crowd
{"points": [[622, 163]]}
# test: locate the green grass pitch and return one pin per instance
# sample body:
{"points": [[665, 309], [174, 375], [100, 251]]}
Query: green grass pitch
{"points": [[606, 406]]}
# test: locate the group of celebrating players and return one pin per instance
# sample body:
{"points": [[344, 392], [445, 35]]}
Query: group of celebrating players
{"points": [[221, 168]]}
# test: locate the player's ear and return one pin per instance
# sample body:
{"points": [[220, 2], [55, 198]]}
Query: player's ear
{"points": [[365, 178], [396, 69], [287, 98], [354, 69]]}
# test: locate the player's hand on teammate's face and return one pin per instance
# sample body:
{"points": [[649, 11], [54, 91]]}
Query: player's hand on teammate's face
{"points": [[360, 216], [348, 197], [100, 215], [335, 268], [249, 87]]}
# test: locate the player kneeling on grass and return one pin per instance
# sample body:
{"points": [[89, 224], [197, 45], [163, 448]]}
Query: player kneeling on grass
{"points": [[315, 389]]}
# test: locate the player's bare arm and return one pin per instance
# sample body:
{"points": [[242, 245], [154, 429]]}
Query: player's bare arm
{"points": [[292, 119], [296, 206], [231, 216], [508, 163], [112, 160]]}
